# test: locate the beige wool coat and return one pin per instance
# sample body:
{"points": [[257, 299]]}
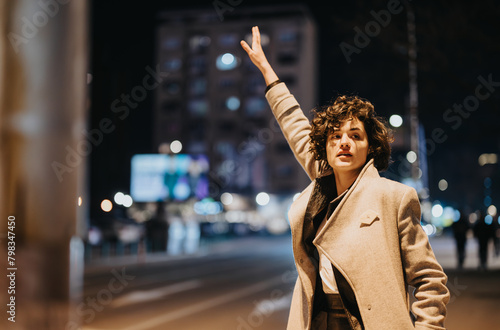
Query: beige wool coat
{"points": [[373, 239]]}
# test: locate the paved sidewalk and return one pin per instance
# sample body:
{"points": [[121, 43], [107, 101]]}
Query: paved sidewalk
{"points": [[475, 300], [475, 295], [444, 249]]}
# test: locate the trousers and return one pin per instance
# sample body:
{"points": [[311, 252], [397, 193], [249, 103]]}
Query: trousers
{"points": [[333, 316]]}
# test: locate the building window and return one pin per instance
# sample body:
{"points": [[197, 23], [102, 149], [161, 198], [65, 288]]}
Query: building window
{"points": [[171, 107], [196, 147], [225, 149], [173, 128], [172, 65], [171, 43], [197, 130], [228, 82], [198, 65], [288, 36], [198, 87], [232, 103], [255, 85], [287, 57], [198, 107], [229, 40], [226, 127], [172, 87], [198, 44], [289, 80], [255, 106]]}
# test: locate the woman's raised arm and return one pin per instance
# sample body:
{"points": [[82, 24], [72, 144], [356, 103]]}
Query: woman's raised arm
{"points": [[294, 125], [256, 54]]}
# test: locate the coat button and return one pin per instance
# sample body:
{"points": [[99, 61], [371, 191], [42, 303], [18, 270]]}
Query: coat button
{"points": [[369, 307], [301, 260]]}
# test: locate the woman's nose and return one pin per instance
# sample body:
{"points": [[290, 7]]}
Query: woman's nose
{"points": [[344, 141]]}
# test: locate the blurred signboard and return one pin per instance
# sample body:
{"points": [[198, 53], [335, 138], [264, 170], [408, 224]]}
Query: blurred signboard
{"points": [[160, 177]]}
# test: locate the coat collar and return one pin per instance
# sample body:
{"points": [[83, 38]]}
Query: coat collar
{"points": [[325, 189], [368, 172]]}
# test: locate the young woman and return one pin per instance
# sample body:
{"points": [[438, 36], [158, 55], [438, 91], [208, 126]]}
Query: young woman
{"points": [[357, 240]]}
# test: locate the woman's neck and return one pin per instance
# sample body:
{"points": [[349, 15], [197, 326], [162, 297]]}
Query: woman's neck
{"points": [[344, 180]]}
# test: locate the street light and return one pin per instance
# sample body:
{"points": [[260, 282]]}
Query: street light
{"points": [[226, 198], [176, 146], [411, 157], [106, 205], [262, 198], [396, 121], [437, 210], [443, 185]]}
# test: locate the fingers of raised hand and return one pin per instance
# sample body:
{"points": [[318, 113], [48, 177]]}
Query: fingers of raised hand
{"points": [[245, 46], [256, 36]]}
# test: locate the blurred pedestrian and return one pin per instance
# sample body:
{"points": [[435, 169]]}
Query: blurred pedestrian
{"points": [[483, 232], [460, 230], [157, 229], [496, 236], [357, 239]]}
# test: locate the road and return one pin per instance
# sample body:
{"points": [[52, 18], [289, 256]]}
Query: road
{"points": [[247, 285]]}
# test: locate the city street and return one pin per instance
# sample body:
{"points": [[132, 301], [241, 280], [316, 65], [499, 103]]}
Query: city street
{"points": [[247, 284]]}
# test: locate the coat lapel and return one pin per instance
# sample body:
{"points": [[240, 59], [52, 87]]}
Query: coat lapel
{"points": [[368, 171], [324, 191]]}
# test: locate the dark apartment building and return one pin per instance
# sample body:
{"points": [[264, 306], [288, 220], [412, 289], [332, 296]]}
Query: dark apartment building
{"points": [[212, 96]]}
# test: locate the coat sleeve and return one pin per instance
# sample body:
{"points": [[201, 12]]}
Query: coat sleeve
{"points": [[294, 125], [422, 271]]}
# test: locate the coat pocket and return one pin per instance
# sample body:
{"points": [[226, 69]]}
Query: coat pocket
{"points": [[368, 218]]}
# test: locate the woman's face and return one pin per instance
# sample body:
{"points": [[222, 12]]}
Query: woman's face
{"points": [[347, 147]]}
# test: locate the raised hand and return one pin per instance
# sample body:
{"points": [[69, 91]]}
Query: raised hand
{"points": [[257, 56]]}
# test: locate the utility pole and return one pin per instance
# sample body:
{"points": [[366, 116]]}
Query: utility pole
{"points": [[43, 69], [413, 93]]}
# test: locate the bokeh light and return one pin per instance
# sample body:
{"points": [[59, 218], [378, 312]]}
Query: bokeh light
{"points": [[396, 121], [262, 198], [106, 205]]}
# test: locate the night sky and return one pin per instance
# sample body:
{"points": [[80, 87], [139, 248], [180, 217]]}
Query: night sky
{"points": [[458, 50]]}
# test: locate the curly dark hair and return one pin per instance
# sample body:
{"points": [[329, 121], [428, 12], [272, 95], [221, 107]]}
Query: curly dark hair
{"points": [[344, 108]]}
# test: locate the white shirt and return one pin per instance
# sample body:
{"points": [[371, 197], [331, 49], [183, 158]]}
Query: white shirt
{"points": [[327, 277]]}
